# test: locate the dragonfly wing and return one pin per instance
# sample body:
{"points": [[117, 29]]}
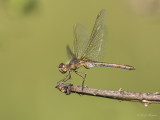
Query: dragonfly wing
{"points": [[81, 37], [69, 52], [97, 43]]}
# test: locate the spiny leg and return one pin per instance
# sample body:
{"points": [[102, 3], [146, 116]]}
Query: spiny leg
{"points": [[81, 77], [70, 77], [63, 80]]}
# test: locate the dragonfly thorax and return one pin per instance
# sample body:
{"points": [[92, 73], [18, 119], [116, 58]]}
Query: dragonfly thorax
{"points": [[74, 64]]}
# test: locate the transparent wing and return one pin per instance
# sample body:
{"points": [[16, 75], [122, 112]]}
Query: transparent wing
{"points": [[97, 43], [81, 37], [69, 52]]}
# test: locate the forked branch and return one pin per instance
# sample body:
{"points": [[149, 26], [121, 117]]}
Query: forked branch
{"points": [[145, 98]]}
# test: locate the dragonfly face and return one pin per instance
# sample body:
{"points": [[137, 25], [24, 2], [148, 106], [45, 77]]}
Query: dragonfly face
{"points": [[62, 68]]}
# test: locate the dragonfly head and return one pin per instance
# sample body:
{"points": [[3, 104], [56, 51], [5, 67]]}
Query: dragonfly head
{"points": [[62, 68]]}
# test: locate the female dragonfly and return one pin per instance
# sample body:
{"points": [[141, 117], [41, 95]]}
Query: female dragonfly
{"points": [[88, 51]]}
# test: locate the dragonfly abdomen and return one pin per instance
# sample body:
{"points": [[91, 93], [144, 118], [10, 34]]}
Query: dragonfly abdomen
{"points": [[101, 64]]}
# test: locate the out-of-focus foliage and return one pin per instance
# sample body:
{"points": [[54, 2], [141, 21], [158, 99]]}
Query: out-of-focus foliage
{"points": [[19, 7], [147, 7]]}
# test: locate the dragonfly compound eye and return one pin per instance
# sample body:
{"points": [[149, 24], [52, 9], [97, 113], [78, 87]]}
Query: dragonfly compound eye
{"points": [[62, 68]]}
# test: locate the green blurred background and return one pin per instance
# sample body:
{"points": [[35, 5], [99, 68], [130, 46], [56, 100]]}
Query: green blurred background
{"points": [[33, 39]]}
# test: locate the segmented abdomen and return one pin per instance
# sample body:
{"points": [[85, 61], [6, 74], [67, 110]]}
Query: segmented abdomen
{"points": [[101, 64]]}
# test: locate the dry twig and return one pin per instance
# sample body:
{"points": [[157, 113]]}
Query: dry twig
{"points": [[145, 98]]}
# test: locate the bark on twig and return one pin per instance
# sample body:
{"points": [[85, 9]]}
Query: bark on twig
{"points": [[145, 98]]}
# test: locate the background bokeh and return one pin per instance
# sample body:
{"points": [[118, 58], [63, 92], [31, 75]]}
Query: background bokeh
{"points": [[33, 39]]}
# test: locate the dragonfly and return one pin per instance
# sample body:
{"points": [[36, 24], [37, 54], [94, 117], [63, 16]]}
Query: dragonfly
{"points": [[87, 51]]}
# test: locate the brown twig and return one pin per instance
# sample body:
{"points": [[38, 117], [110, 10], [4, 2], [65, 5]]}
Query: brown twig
{"points": [[145, 98]]}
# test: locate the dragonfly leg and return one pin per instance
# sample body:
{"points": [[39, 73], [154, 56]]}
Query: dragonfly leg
{"points": [[64, 79], [70, 77], [84, 77]]}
